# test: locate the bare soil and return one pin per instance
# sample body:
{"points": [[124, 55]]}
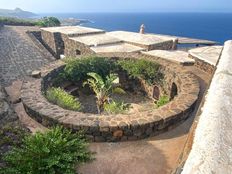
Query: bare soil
{"points": [[137, 101]]}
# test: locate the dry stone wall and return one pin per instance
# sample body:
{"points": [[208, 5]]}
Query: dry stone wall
{"points": [[167, 45], [74, 48], [204, 66], [118, 127], [53, 42], [58, 44]]}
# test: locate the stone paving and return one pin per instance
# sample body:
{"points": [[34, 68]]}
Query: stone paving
{"points": [[120, 48], [209, 54], [74, 30], [180, 57], [96, 39], [18, 55], [143, 39]]}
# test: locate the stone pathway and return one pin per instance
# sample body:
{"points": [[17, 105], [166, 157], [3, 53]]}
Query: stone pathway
{"points": [[18, 54]]}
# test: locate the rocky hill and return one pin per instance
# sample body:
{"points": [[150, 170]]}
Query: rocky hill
{"points": [[17, 12]]}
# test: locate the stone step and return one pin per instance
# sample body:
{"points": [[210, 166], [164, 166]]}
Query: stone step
{"points": [[26, 120], [14, 91]]}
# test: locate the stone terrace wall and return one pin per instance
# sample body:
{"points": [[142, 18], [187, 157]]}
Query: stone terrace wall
{"points": [[111, 127], [73, 47], [53, 42], [212, 147], [204, 66], [169, 68], [58, 43], [37, 39], [167, 45]]}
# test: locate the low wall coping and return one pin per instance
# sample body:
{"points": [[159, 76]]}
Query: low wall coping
{"points": [[212, 147]]}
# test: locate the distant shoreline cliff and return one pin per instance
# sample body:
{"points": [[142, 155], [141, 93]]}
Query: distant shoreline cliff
{"points": [[73, 21], [17, 12]]}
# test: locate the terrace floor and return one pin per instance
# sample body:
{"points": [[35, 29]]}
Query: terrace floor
{"points": [[157, 155]]}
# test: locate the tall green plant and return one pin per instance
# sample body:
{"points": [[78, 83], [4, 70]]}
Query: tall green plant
{"points": [[103, 88], [57, 151]]}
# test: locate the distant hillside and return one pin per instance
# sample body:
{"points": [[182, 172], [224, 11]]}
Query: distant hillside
{"points": [[19, 13]]}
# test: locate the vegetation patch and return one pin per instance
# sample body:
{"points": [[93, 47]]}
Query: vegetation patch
{"points": [[48, 22], [100, 74], [103, 88], [63, 99], [115, 107], [43, 22], [144, 69], [163, 100], [76, 70], [57, 151]]}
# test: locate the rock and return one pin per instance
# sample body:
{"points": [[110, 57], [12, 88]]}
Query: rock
{"points": [[118, 133], [99, 139], [4, 107], [14, 91], [36, 74]]}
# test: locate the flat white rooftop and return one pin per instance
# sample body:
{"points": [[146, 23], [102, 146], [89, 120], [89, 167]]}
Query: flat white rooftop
{"points": [[142, 39], [97, 39], [120, 47], [73, 30], [180, 57], [209, 54]]}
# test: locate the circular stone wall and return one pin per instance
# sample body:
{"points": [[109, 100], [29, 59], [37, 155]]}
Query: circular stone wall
{"points": [[113, 127]]}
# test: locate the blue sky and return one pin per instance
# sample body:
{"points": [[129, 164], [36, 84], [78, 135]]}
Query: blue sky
{"points": [[72, 6]]}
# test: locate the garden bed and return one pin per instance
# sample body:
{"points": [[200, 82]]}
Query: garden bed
{"points": [[142, 120]]}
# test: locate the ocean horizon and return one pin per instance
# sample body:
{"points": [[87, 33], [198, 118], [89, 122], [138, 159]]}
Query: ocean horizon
{"points": [[211, 26]]}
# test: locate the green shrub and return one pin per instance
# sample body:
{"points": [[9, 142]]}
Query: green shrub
{"points": [[162, 101], [147, 70], [43, 22], [48, 22], [57, 151], [76, 69], [11, 135], [63, 99], [116, 107]]}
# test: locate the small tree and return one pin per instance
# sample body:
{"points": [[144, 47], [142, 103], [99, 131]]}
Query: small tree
{"points": [[102, 88], [48, 22]]}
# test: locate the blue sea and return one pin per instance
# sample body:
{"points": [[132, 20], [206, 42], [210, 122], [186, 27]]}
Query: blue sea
{"points": [[211, 26]]}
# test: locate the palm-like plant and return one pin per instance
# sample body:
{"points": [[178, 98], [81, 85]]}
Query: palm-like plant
{"points": [[103, 88]]}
